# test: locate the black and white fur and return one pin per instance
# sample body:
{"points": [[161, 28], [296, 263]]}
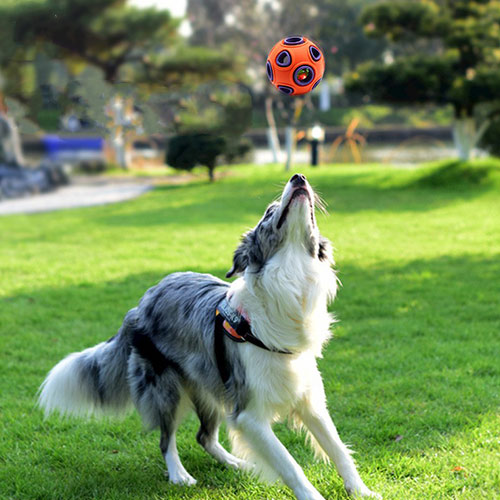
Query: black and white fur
{"points": [[162, 359]]}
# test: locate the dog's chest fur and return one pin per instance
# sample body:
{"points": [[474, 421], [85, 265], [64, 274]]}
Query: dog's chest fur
{"points": [[278, 382], [287, 307]]}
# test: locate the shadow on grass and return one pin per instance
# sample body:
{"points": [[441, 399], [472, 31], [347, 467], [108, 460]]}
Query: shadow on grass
{"points": [[416, 350], [415, 355], [73, 317], [415, 190], [456, 174], [233, 200], [196, 204]]}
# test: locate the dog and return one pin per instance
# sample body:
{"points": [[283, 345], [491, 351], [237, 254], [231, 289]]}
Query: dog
{"points": [[243, 351]]}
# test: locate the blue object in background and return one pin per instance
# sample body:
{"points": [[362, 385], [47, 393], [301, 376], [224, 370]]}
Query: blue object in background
{"points": [[73, 149]]}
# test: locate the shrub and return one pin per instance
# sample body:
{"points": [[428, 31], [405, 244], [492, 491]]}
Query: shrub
{"points": [[491, 138], [188, 150]]}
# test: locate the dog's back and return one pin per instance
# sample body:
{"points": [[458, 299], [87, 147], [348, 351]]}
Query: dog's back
{"points": [[173, 344], [178, 313], [170, 329]]}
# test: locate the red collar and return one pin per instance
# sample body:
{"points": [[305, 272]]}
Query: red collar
{"points": [[235, 324]]}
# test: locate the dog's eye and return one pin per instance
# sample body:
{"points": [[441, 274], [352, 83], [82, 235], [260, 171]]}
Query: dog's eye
{"points": [[268, 213]]}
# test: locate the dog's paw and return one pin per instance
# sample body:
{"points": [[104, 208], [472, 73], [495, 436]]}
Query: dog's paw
{"points": [[237, 463], [182, 478], [361, 491]]}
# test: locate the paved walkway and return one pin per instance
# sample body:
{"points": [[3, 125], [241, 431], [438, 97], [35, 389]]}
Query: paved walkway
{"points": [[82, 192]]}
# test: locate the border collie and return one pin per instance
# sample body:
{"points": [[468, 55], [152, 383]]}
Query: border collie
{"points": [[243, 351]]}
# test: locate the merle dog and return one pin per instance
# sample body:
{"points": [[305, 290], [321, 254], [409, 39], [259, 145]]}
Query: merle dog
{"points": [[245, 352]]}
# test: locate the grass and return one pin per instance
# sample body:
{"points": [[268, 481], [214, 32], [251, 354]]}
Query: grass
{"points": [[412, 374]]}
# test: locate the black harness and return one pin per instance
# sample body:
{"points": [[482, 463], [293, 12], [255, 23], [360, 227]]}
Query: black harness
{"points": [[230, 323]]}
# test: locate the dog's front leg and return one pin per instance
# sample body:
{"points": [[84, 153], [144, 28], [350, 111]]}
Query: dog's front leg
{"points": [[259, 435], [314, 414], [325, 433]]}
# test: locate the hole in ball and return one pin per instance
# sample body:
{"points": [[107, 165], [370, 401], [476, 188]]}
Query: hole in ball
{"points": [[284, 58], [316, 84], [315, 53], [285, 89], [269, 70], [303, 75], [293, 40]]}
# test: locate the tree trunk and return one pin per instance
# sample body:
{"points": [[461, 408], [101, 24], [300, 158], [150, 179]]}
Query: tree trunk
{"points": [[272, 132], [466, 136], [464, 130], [289, 145], [211, 175], [290, 135]]}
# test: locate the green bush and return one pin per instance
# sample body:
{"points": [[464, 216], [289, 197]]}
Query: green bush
{"points": [[48, 119], [237, 149], [490, 140], [186, 151]]}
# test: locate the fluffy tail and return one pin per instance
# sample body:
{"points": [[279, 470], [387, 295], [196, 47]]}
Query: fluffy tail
{"points": [[91, 382]]}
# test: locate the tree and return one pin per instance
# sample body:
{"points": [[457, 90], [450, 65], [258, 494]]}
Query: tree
{"points": [[210, 124], [188, 150], [460, 66], [254, 26], [111, 35], [340, 34], [490, 141], [104, 33], [138, 47]]}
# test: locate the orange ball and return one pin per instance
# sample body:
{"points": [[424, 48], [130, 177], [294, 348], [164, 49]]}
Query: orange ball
{"points": [[295, 65]]}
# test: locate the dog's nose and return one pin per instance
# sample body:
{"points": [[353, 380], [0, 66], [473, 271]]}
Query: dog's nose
{"points": [[298, 180]]}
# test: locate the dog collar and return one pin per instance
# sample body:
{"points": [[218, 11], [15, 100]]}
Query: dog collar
{"points": [[235, 325]]}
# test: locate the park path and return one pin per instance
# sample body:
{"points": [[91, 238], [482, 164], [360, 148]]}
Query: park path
{"points": [[82, 192]]}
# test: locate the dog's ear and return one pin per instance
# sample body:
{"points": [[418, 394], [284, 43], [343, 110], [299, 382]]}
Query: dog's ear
{"points": [[241, 256], [325, 252]]}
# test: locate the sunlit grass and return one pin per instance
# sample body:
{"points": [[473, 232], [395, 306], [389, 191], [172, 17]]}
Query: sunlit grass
{"points": [[412, 374]]}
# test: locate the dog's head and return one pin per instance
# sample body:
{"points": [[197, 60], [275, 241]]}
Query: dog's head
{"points": [[291, 220]]}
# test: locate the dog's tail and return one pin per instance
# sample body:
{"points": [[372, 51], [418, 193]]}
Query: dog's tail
{"points": [[91, 382]]}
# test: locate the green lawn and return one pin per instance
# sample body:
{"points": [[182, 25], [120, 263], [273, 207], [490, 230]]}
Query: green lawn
{"points": [[412, 374]]}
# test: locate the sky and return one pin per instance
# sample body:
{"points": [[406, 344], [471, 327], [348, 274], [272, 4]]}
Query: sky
{"points": [[176, 7]]}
